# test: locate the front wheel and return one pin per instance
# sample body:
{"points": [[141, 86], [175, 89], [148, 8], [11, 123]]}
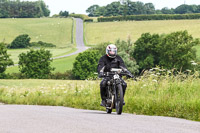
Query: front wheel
{"points": [[119, 99]]}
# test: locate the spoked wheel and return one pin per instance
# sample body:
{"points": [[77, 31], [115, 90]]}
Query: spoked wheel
{"points": [[119, 99], [109, 111]]}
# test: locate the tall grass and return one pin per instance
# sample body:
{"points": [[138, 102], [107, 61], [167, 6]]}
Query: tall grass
{"points": [[152, 94]]}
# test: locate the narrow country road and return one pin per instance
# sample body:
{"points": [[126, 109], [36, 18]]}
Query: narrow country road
{"points": [[79, 39], [51, 119]]}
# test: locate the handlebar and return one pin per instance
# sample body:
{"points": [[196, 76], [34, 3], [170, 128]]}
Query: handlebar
{"points": [[110, 74]]}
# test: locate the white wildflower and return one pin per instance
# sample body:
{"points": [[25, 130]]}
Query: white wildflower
{"points": [[155, 80], [194, 63]]}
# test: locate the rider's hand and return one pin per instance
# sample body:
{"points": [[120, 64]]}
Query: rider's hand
{"points": [[100, 75], [130, 75]]}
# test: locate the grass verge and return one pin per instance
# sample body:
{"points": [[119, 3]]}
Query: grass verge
{"points": [[150, 95]]}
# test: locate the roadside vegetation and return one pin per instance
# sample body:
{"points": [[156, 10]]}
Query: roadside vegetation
{"points": [[154, 93]]}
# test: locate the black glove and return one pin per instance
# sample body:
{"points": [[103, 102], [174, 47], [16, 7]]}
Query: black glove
{"points": [[100, 75], [129, 74]]}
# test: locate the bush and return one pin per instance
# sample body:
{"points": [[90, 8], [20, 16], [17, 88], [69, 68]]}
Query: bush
{"points": [[42, 44], [36, 63], [170, 51], [82, 16], [85, 64], [21, 41], [88, 20], [4, 59]]}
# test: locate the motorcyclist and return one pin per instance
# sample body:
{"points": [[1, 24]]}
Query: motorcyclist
{"points": [[106, 62]]}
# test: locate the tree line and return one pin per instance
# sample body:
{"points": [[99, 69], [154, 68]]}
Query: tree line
{"points": [[127, 7], [23, 9]]}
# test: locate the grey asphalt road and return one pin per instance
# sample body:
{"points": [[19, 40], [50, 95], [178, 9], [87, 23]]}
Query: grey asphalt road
{"points": [[52, 119], [79, 39]]}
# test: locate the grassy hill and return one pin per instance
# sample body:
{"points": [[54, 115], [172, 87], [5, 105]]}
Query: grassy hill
{"points": [[96, 33], [52, 30]]}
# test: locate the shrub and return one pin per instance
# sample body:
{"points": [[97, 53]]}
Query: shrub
{"points": [[42, 44], [35, 63], [85, 64], [4, 59], [21, 41], [170, 51]]}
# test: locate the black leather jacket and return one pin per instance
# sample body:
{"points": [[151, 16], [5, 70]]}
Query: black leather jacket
{"points": [[110, 63]]}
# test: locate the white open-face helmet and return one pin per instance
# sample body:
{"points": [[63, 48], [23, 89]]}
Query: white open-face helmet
{"points": [[111, 51]]}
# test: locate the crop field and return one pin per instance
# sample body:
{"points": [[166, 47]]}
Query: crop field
{"points": [[96, 33], [149, 95], [51, 30]]}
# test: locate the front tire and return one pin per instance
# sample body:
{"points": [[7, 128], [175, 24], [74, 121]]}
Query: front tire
{"points": [[119, 99]]}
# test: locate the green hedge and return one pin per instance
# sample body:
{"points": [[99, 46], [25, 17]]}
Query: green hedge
{"points": [[84, 17], [150, 17]]}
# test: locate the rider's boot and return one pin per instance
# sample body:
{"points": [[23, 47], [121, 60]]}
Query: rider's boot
{"points": [[103, 103]]}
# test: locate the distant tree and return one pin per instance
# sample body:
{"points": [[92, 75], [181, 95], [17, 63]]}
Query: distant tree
{"points": [[24, 9], [166, 10], [4, 58], [183, 9], [64, 13], [149, 8], [36, 64], [21, 41], [44, 9], [92, 10]]}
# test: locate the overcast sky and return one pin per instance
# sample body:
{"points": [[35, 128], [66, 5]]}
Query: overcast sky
{"points": [[80, 6]]}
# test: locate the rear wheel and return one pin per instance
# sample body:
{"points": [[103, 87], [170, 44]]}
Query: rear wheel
{"points": [[119, 99]]}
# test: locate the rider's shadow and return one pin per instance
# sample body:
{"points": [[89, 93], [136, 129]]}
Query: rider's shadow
{"points": [[99, 112]]}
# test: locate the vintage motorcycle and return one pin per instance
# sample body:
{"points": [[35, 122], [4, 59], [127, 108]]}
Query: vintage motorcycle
{"points": [[114, 99]]}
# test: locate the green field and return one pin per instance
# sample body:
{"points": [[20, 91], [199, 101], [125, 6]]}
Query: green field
{"points": [[55, 52], [60, 65], [96, 33], [51, 30]]}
